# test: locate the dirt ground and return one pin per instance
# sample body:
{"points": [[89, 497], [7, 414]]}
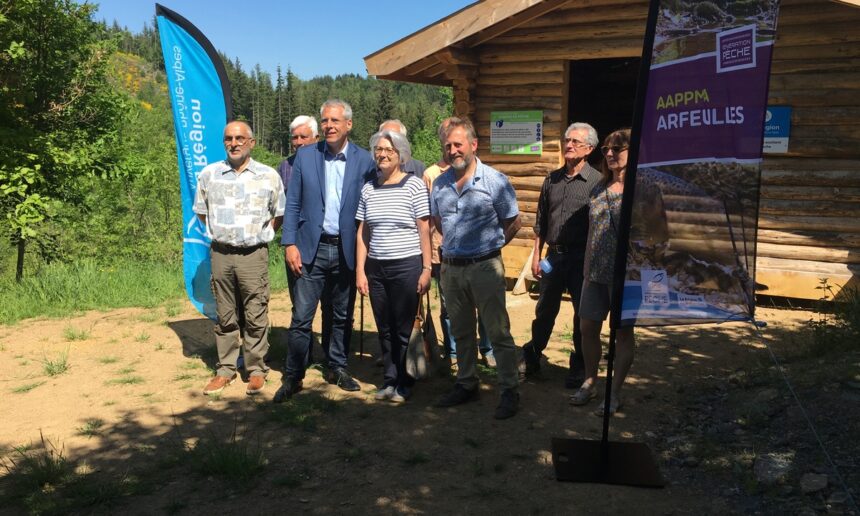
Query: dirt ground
{"points": [[706, 399]]}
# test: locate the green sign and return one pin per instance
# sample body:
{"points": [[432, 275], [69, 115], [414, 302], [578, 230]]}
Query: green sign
{"points": [[516, 132]]}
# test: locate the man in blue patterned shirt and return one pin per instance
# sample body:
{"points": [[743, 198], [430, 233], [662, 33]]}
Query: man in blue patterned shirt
{"points": [[475, 208], [241, 202]]}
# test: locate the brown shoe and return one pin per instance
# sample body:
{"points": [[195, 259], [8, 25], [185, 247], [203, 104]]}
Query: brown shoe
{"points": [[256, 384], [217, 384]]}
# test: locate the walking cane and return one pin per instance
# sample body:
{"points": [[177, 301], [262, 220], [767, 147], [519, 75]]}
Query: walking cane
{"points": [[361, 329]]}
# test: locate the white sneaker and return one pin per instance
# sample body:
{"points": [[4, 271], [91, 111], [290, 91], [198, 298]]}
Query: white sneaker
{"points": [[386, 393]]}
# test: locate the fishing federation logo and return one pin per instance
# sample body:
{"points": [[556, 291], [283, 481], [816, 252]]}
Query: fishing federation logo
{"points": [[736, 49], [655, 287]]}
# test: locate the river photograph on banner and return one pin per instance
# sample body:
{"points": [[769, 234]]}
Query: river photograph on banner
{"points": [[693, 233]]}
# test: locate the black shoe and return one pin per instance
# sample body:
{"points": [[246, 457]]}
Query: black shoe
{"points": [[290, 386], [508, 403], [530, 363], [343, 380], [458, 396], [574, 379]]}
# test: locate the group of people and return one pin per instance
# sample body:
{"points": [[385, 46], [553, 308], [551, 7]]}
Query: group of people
{"points": [[377, 223]]}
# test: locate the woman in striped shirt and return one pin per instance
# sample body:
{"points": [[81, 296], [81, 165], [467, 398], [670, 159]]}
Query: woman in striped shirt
{"points": [[393, 255]]}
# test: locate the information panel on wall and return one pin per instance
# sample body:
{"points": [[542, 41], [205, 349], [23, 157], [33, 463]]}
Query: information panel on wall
{"points": [[516, 132]]}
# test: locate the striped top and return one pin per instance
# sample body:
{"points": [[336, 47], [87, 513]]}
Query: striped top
{"points": [[390, 212]]}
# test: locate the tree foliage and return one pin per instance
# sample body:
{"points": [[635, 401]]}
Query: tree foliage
{"points": [[87, 152], [58, 114]]}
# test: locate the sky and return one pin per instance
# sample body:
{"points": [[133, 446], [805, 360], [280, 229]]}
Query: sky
{"points": [[303, 36]]}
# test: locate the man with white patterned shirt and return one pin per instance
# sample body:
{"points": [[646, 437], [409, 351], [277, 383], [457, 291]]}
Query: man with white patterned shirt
{"points": [[242, 203]]}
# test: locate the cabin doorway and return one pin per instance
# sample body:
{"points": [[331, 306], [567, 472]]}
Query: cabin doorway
{"points": [[602, 93]]}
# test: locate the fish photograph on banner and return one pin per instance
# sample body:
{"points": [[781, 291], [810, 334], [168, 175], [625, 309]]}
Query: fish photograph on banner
{"points": [[692, 246], [201, 100]]}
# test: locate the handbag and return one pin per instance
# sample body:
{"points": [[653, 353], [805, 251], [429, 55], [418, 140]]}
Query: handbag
{"points": [[423, 354]]}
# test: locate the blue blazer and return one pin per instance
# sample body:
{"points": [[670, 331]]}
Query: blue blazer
{"points": [[303, 217]]}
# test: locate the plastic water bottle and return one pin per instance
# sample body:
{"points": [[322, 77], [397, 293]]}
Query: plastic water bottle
{"points": [[545, 266]]}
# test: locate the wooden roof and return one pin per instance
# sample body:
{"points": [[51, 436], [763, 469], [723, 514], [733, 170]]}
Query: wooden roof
{"points": [[432, 54], [429, 55]]}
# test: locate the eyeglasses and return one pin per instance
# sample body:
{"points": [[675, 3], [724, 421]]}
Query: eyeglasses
{"points": [[388, 151], [240, 140], [616, 149], [576, 143]]}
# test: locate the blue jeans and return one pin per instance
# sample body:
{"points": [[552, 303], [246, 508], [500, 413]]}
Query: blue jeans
{"points": [[326, 280]]}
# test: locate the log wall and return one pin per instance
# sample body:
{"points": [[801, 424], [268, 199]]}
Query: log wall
{"points": [[810, 197]]}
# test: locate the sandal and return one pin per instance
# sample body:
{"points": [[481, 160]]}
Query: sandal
{"points": [[585, 394], [614, 406]]}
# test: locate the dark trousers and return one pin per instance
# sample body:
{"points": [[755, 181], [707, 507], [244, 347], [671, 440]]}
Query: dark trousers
{"points": [[328, 281], [326, 321], [394, 300], [566, 275]]}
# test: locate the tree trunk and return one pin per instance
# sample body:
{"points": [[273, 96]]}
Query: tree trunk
{"points": [[19, 267]]}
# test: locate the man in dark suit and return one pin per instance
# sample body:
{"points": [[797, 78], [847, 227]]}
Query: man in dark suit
{"points": [[319, 238]]}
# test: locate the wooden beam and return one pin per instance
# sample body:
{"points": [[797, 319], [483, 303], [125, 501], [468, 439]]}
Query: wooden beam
{"points": [[418, 79], [514, 21], [444, 33], [457, 56]]}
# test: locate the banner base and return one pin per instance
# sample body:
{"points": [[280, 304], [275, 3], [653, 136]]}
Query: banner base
{"points": [[626, 463]]}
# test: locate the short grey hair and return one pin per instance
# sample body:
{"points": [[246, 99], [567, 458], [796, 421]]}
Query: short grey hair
{"points": [[591, 136], [464, 123], [243, 122], [330, 103], [402, 128], [308, 121], [443, 129], [398, 141]]}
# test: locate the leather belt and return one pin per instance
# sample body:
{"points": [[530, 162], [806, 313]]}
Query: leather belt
{"points": [[330, 239], [232, 249], [470, 261]]}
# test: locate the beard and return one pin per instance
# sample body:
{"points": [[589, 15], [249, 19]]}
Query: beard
{"points": [[462, 163]]}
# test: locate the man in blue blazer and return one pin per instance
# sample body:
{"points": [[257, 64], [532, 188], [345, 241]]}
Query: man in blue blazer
{"points": [[319, 238]]}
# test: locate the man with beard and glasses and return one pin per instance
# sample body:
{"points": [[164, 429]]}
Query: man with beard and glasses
{"points": [[475, 208]]}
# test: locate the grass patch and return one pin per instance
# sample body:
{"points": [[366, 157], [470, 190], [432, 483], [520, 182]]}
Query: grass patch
{"points": [[91, 427], [487, 371], [126, 370], [566, 333], [141, 337], [148, 317], [416, 459], [62, 289], [235, 459], [836, 326], [56, 366], [33, 470], [300, 412], [193, 365], [151, 397], [108, 360], [41, 480], [126, 380], [172, 308], [27, 387], [70, 333]]}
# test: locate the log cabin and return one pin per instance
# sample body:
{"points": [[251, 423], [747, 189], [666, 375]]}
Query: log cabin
{"points": [[578, 60]]}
